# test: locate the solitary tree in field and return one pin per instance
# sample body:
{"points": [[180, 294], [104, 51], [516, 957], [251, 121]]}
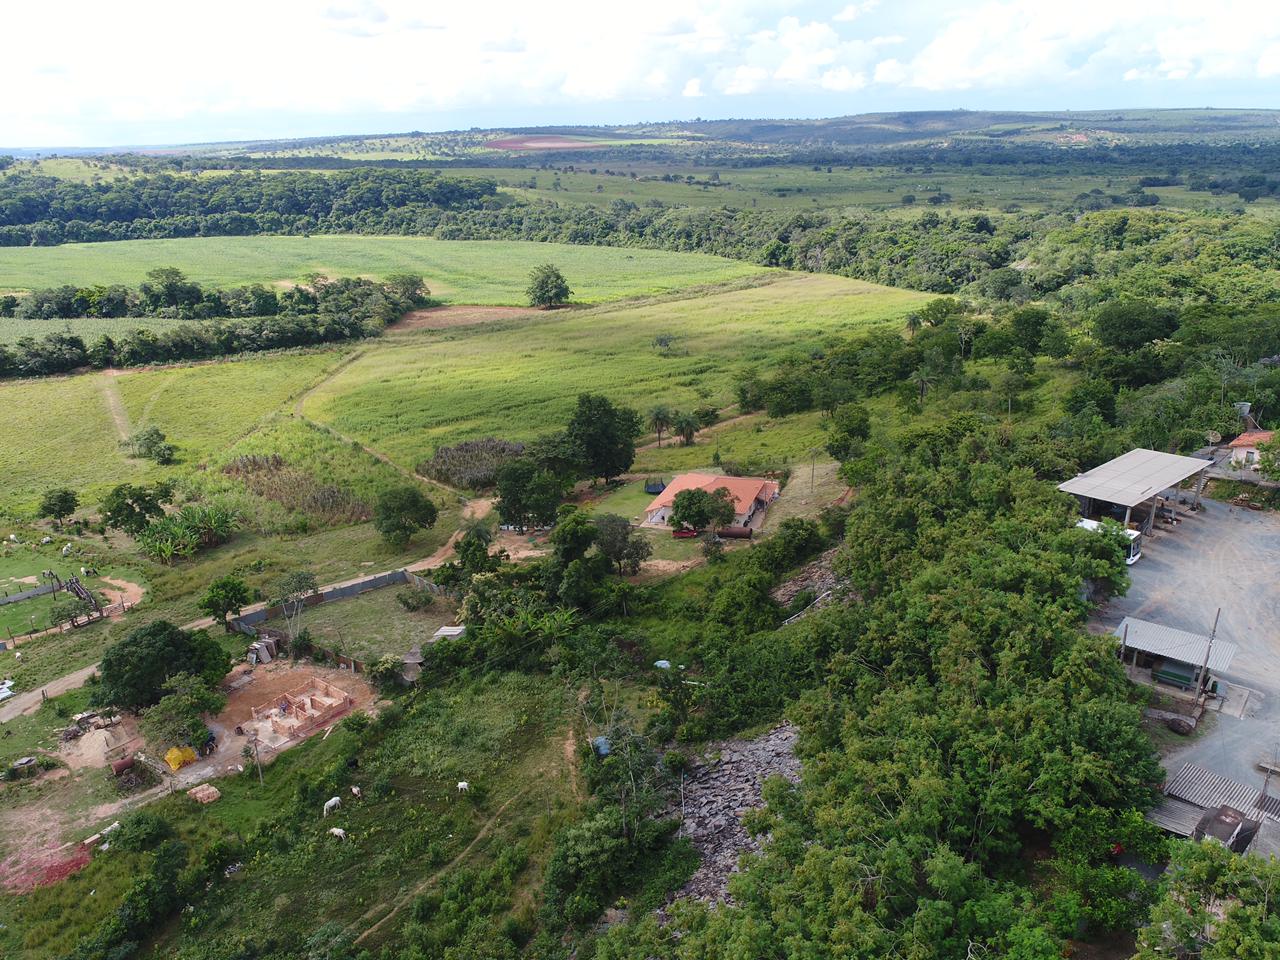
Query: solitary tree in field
{"points": [[660, 418], [59, 504], [291, 590], [401, 512], [548, 287]]}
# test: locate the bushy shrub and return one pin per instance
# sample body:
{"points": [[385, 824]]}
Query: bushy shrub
{"points": [[142, 831], [472, 464]]}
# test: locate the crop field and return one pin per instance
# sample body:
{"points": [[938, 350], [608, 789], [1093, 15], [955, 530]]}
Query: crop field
{"points": [[407, 396], [374, 623], [461, 271]]}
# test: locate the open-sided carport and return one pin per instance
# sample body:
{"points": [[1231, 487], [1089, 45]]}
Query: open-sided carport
{"points": [[1136, 478]]}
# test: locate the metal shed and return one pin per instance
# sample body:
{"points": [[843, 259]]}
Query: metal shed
{"points": [[1158, 640], [1134, 478]]}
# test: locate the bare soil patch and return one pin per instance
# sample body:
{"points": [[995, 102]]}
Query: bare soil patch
{"points": [[541, 142], [442, 318]]}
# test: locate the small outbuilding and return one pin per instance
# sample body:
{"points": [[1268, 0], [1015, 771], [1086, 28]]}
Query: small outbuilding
{"points": [[1175, 657], [1244, 448]]}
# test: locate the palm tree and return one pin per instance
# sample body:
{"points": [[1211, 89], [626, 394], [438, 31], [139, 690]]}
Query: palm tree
{"points": [[660, 418], [924, 378], [686, 424], [914, 323], [478, 529]]}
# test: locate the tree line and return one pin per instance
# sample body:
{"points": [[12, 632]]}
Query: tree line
{"points": [[38, 210], [221, 322]]}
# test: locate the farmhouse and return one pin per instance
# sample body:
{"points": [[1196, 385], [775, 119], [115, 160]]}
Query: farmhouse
{"points": [[751, 497], [1244, 448], [1201, 804]]}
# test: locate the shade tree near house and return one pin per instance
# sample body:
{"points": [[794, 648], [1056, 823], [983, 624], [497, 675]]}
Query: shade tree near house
{"points": [[624, 546], [699, 509], [176, 719], [604, 436]]}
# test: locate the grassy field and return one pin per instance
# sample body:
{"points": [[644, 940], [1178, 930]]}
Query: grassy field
{"points": [[483, 272], [65, 431], [409, 835], [509, 379], [373, 624], [783, 187]]}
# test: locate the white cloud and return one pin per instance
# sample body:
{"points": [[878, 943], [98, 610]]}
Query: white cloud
{"points": [[159, 71], [854, 10]]}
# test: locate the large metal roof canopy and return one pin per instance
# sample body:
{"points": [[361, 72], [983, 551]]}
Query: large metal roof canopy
{"points": [[1134, 477], [1162, 641]]}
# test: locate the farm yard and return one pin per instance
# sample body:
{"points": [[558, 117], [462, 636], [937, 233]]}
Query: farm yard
{"points": [[458, 271]]}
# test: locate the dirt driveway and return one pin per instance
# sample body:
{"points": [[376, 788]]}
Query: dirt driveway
{"points": [[1224, 557]]}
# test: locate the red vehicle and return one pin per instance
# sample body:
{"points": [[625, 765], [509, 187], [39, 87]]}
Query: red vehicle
{"points": [[683, 534]]}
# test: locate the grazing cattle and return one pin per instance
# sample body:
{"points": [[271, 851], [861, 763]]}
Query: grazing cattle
{"points": [[355, 792], [338, 832], [463, 786], [66, 549], [332, 804]]}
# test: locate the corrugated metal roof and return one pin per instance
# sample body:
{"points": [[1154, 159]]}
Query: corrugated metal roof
{"points": [[1162, 641], [1176, 816], [1134, 477], [1208, 790]]}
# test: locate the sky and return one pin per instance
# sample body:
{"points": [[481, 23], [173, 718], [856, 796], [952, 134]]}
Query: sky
{"points": [[145, 72]]}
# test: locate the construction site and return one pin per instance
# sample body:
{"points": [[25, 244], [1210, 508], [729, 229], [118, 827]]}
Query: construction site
{"points": [[295, 713]]}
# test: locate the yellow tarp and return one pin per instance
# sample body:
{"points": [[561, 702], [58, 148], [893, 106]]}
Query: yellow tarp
{"points": [[179, 757]]}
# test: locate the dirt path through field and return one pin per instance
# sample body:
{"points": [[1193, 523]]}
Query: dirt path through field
{"points": [[459, 315], [406, 896], [29, 702], [115, 406]]}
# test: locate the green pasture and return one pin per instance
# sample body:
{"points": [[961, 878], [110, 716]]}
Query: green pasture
{"points": [[461, 271], [374, 624], [518, 379], [83, 169], [65, 431]]}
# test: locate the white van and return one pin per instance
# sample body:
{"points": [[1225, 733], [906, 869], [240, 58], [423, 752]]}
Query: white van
{"points": [[1135, 540]]}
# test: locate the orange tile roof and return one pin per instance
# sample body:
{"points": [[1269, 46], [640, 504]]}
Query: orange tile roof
{"points": [[1251, 438], [743, 489]]}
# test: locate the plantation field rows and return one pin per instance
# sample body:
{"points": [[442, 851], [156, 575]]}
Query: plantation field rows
{"points": [[479, 272]]}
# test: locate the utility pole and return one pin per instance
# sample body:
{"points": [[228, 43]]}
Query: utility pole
{"points": [[1204, 667], [257, 762]]}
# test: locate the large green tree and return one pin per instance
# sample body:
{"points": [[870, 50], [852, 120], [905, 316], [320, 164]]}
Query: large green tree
{"points": [[604, 434], [225, 598], [401, 512], [131, 508], [702, 509], [548, 287], [58, 504], [528, 496], [135, 670]]}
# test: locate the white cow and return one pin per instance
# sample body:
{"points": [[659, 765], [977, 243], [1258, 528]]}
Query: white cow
{"points": [[463, 786], [355, 792], [66, 550], [338, 832], [332, 804]]}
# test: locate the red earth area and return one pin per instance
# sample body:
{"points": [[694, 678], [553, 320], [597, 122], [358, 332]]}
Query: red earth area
{"points": [[541, 142], [22, 874]]}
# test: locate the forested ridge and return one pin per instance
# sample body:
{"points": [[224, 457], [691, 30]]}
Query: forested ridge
{"points": [[41, 211]]}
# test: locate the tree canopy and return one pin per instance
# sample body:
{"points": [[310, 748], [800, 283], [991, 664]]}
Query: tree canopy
{"points": [[135, 670], [401, 512]]}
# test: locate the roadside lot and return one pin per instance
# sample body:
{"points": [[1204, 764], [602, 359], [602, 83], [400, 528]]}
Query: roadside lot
{"points": [[1224, 557]]}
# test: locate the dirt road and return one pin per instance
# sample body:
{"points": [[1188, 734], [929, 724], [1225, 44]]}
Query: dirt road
{"points": [[29, 702]]}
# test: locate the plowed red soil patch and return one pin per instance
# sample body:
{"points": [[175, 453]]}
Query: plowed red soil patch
{"points": [[543, 142], [442, 318]]}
